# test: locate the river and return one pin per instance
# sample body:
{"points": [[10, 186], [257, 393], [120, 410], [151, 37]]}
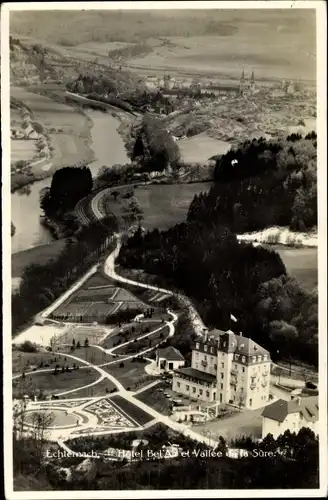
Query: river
{"points": [[109, 149]]}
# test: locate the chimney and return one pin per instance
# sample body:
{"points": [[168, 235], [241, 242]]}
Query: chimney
{"points": [[240, 334]]}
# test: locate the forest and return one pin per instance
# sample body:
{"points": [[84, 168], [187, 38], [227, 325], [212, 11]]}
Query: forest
{"points": [[68, 186], [261, 184], [153, 145], [294, 464], [42, 284], [223, 277]]}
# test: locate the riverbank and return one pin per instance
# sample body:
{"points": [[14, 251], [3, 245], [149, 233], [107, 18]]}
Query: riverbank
{"points": [[281, 236], [69, 129]]}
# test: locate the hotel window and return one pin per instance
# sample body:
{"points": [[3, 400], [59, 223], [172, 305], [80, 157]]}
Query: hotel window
{"points": [[212, 350], [194, 389], [205, 347], [222, 365], [265, 357], [205, 358], [207, 394], [260, 358], [197, 345], [254, 359], [222, 376], [236, 367], [178, 384], [221, 387], [197, 354], [243, 369], [200, 392], [236, 357], [235, 389], [187, 387], [215, 367], [243, 359]]}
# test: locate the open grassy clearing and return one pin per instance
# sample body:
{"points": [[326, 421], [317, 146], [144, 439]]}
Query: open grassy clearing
{"points": [[139, 415], [163, 205], [200, 148], [132, 374], [302, 263], [49, 383]]}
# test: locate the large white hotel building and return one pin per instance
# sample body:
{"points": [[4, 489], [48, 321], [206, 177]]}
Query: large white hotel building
{"points": [[226, 368]]}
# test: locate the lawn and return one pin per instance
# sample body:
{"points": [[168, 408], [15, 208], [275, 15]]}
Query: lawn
{"points": [[132, 374], [247, 423], [130, 409], [156, 399], [91, 354], [27, 361], [147, 342], [49, 383], [128, 332], [101, 389]]}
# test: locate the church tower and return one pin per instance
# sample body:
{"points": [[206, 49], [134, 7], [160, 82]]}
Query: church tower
{"points": [[242, 83], [252, 82]]}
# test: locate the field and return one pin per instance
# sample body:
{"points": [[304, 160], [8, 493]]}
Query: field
{"points": [[22, 149], [69, 130], [302, 263], [201, 147], [209, 41], [131, 374], [163, 205], [49, 383]]}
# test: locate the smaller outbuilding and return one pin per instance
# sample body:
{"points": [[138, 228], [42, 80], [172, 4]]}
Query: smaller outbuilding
{"points": [[169, 359]]}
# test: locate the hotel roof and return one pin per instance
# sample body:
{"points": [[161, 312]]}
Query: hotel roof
{"points": [[191, 372]]}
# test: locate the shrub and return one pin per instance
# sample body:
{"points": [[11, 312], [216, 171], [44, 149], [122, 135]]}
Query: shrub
{"points": [[27, 346]]}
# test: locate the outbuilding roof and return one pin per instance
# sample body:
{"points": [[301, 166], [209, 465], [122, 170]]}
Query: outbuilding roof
{"points": [[308, 407], [170, 353]]}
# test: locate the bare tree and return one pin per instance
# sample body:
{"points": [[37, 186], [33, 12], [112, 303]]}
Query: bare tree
{"points": [[41, 421]]}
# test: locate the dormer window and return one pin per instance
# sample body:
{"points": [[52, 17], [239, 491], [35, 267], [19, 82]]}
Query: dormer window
{"points": [[254, 359], [265, 357], [243, 359], [236, 357], [212, 350], [197, 345], [205, 347], [260, 358]]}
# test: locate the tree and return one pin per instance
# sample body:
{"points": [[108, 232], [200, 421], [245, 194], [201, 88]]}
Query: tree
{"points": [[78, 345], [86, 342]]}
